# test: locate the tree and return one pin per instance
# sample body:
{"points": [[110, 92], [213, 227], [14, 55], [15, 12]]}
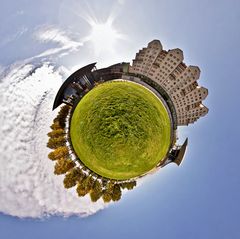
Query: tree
{"points": [[56, 133], [116, 193], [95, 196], [96, 191], [81, 189], [52, 156], [107, 193], [62, 114], [72, 177], [61, 152], [129, 185], [60, 121], [85, 186], [55, 125], [97, 186], [54, 143], [63, 111], [63, 165], [89, 182], [106, 196]]}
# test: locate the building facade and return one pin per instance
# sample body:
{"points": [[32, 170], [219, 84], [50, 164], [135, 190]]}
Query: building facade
{"points": [[167, 69]]}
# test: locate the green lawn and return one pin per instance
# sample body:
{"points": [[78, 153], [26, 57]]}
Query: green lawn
{"points": [[120, 130]]}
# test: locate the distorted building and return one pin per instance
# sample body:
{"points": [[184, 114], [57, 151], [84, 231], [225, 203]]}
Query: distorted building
{"points": [[178, 80]]}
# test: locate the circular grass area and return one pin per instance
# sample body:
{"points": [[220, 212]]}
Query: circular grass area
{"points": [[120, 130]]}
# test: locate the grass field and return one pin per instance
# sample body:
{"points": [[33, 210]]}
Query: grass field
{"points": [[120, 130]]}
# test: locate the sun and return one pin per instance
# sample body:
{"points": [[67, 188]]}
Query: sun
{"points": [[103, 36]]}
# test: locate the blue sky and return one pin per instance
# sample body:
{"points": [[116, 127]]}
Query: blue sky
{"points": [[201, 198]]}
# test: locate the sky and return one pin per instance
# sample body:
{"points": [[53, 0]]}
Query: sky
{"points": [[199, 199]]}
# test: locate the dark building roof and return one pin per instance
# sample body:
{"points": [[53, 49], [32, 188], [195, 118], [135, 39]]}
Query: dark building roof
{"points": [[76, 75], [181, 152]]}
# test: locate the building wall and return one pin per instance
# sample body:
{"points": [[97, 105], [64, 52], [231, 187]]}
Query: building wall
{"points": [[179, 81], [146, 57]]}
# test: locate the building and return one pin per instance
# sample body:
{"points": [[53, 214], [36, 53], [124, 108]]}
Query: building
{"points": [[167, 69]]}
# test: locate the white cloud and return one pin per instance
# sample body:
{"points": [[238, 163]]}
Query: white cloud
{"points": [[28, 187], [52, 34]]}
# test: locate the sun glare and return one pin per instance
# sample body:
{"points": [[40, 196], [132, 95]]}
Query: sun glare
{"points": [[103, 36]]}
